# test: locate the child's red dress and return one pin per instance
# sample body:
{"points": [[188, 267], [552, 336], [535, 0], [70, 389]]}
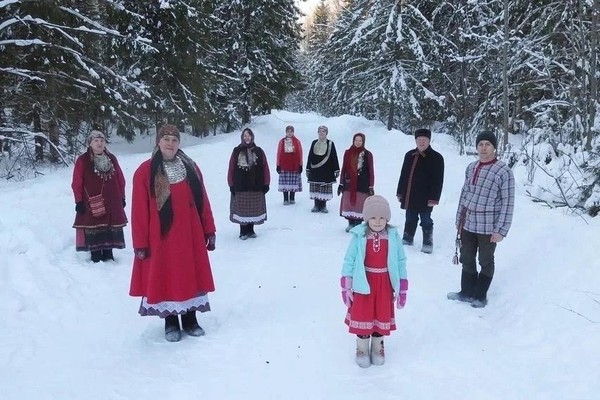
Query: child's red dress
{"points": [[374, 312]]}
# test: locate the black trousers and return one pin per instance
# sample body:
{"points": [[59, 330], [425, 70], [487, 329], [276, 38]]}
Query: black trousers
{"points": [[471, 245]]}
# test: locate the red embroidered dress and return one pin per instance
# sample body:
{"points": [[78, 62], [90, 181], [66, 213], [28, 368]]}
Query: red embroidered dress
{"points": [[93, 175], [374, 312]]}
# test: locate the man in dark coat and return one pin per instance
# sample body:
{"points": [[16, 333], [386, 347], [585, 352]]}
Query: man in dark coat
{"points": [[420, 187]]}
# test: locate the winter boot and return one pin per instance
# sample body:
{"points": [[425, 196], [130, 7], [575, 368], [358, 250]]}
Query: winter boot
{"points": [[323, 206], [377, 351], [467, 288], [481, 289], [96, 255], [316, 208], [172, 331], [409, 233], [292, 197], [243, 232], [350, 225], [427, 241], [362, 352], [107, 255], [250, 231], [286, 198], [189, 323]]}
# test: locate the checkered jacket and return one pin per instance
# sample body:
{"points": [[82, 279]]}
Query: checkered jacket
{"points": [[487, 198]]}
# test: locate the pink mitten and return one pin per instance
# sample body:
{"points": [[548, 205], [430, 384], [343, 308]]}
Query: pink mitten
{"points": [[347, 296], [401, 299]]}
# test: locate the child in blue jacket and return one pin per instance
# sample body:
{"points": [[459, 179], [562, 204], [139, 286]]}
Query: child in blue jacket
{"points": [[373, 279]]}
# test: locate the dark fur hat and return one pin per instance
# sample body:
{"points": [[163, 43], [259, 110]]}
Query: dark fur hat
{"points": [[423, 132]]}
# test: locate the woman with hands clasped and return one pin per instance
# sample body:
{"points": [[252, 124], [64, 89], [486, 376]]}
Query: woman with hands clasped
{"points": [[99, 189], [172, 228]]}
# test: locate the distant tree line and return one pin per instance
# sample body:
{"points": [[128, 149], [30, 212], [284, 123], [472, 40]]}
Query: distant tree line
{"points": [[510, 66], [126, 66], [505, 65]]}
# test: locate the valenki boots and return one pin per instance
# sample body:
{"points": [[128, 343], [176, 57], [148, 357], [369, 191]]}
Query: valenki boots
{"points": [[467, 288], [190, 325], [480, 292], [362, 352], [172, 331], [409, 234], [350, 225], [323, 206], [96, 255], [316, 208], [243, 232], [377, 351], [107, 254], [427, 241], [250, 231]]}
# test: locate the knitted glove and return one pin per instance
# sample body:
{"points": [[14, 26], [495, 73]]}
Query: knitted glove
{"points": [[142, 254], [300, 169], [278, 169], [210, 239], [265, 189], [232, 190], [124, 203], [371, 191], [80, 207], [340, 189], [401, 299], [347, 295]]}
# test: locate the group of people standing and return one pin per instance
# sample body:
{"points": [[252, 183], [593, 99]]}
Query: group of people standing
{"points": [[173, 227], [249, 178], [374, 276]]}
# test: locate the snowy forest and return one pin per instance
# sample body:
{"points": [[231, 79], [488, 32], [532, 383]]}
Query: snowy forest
{"points": [[515, 67]]}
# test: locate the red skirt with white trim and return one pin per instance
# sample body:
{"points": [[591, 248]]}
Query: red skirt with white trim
{"points": [[374, 312]]}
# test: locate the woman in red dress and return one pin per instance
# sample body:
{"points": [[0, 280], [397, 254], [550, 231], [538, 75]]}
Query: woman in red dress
{"points": [[172, 228], [97, 173], [356, 181], [289, 166]]}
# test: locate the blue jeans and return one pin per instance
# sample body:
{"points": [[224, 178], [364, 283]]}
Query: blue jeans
{"points": [[412, 219]]}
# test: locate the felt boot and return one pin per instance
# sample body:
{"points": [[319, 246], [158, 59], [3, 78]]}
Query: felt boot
{"points": [[250, 231], [107, 254], [189, 323], [377, 351], [362, 352], [409, 233], [96, 255], [427, 241], [172, 331]]}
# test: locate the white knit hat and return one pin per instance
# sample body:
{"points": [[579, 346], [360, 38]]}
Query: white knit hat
{"points": [[376, 206]]}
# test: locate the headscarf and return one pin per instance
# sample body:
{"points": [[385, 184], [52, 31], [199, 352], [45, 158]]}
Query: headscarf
{"points": [[247, 148], [95, 134], [160, 187], [167, 129]]}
